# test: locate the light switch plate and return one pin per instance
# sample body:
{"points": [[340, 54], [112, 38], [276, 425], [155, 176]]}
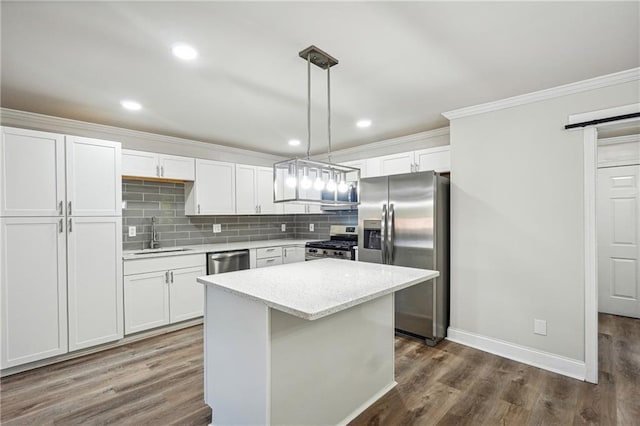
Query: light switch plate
{"points": [[540, 327], [283, 227], [217, 227], [311, 227], [132, 231]]}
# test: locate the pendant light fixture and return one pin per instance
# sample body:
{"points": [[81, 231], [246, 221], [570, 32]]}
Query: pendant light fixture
{"points": [[306, 181]]}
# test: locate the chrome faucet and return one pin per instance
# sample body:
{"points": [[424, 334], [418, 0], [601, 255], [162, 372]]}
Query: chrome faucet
{"points": [[154, 243]]}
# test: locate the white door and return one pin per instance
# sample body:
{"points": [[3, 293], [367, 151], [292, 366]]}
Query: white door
{"points": [[292, 254], [358, 164], [618, 215], [176, 167], [264, 190], [94, 179], [140, 164], [31, 173], [186, 295], [438, 159], [34, 289], [146, 301], [246, 197], [215, 187], [94, 280]]}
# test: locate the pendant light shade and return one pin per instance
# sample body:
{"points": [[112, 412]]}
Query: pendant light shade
{"points": [[305, 181]]}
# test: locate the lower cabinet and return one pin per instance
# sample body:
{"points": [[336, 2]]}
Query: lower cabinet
{"points": [[291, 254], [270, 256], [161, 291]]}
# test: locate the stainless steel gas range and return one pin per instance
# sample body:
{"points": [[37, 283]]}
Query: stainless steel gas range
{"points": [[342, 244]]}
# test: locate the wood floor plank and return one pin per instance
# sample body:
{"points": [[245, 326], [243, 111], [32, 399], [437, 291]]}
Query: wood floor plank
{"points": [[160, 381]]}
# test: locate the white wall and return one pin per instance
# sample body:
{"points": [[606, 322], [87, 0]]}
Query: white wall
{"points": [[517, 244]]}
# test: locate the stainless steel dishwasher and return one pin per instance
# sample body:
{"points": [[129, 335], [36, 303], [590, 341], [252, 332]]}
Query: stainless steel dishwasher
{"points": [[227, 261]]}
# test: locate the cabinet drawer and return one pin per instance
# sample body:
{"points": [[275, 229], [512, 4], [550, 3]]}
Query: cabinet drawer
{"points": [[269, 261], [265, 252], [141, 266]]}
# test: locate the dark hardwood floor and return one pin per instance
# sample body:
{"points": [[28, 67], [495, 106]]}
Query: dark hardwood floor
{"points": [[160, 381]]}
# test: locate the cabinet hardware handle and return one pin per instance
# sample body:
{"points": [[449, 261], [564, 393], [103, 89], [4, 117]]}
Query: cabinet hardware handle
{"points": [[198, 208], [60, 225], [256, 209], [157, 170], [166, 277], [162, 171], [60, 207], [270, 249], [70, 225], [69, 212], [259, 209], [171, 277], [270, 260]]}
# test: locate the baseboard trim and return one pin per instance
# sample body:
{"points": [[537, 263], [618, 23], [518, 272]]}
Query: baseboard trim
{"points": [[541, 359]]}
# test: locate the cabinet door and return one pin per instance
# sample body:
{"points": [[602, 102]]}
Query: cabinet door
{"points": [[358, 164], [269, 261], [94, 179], [292, 254], [34, 289], [140, 164], [264, 190], [94, 280], [438, 159], [186, 294], [215, 187], [396, 163], [176, 167], [31, 173], [146, 301], [246, 197]]}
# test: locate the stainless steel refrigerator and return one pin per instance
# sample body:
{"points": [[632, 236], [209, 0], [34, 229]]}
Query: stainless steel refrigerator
{"points": [[404, 220]]}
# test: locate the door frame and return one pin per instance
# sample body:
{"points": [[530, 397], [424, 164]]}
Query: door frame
{"points": [[590, 168]]}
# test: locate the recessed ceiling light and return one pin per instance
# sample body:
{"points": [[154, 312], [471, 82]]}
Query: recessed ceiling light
{"points": [[363, 123], [294, 142], [184, 51], [131, 105]]}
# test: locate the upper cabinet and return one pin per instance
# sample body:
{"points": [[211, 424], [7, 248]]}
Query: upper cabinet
{"points": [[152, 165], [34, 181], [437, 159], [214, 189], [254, 190]]}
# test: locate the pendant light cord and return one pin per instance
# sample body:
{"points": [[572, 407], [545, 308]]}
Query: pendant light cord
{"points": [[308, 106], [329, 111]]}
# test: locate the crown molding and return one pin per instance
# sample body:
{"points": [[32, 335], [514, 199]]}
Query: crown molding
{"points": [[35, 121], [541, 95], [402, 140]]}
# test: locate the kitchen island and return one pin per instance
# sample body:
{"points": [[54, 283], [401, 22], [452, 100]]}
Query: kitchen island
{"points": [[303, 343]]}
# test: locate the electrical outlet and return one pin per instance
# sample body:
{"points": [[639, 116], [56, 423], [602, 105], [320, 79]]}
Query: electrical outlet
{"points": [[132, 231], [540, 327], [217, 227], [311, 227], [283, 227]]}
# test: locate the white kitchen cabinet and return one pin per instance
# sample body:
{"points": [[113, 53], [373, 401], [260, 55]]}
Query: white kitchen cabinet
{"points": [[396, 163], [94, 282], [186, 295], [162, 290], [152, 165], [146, 301], [291, 254], [94, 182], [358, 164], [213, 191], [33, 289], [268, 256], [438, 159], [32, 181], [254, 190]]}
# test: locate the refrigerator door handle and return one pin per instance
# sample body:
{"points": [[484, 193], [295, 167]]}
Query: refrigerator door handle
{"points": [[391, 235], [383, 234]]}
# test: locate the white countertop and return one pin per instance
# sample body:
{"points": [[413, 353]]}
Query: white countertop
{"points": [[206, 248], [318, 288]]}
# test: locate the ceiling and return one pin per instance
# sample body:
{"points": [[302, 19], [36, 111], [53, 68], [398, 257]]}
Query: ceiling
{"points": [[401, 63]]}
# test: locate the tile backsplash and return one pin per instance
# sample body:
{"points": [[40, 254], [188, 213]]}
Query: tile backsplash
{"points": [[145, 199]]}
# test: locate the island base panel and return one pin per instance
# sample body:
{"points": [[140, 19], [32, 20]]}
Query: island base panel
{"points": [[329, 370], [263, 366]]}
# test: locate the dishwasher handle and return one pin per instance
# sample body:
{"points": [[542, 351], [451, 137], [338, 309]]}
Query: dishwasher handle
{"points": [[228, 254]]}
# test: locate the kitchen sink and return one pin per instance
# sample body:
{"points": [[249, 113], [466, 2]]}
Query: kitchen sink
{"points": [[160, 250]]}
